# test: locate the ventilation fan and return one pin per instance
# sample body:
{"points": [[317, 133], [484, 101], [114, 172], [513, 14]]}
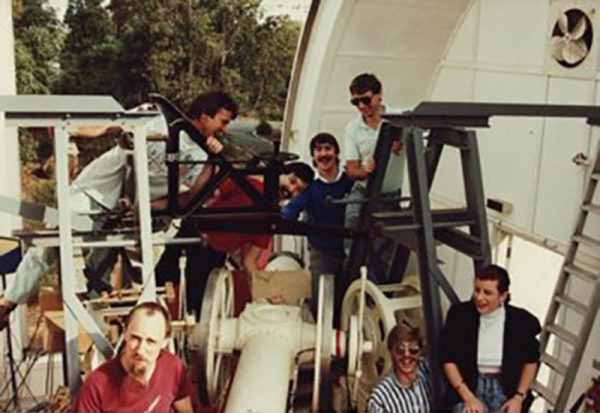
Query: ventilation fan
{"points": [[571, 38]]}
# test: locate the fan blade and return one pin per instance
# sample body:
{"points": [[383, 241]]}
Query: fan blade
{"points": [[557, 44], [563, 23], [579, 29], [575, 51]]}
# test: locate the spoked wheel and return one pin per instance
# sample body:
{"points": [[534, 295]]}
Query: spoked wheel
{"points": [[213, 365], [378, 321], [324, 338]]}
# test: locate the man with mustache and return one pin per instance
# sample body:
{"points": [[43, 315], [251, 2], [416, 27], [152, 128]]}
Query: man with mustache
{"points": [[326, 253], [296, 177], [144, 377]]}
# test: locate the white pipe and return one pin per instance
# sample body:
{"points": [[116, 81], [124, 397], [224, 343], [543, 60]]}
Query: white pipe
{"points": [[262, 376]]}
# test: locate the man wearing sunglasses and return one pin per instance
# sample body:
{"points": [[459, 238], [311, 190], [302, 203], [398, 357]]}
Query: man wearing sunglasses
{"points": [[407, 387], [360, 141]]}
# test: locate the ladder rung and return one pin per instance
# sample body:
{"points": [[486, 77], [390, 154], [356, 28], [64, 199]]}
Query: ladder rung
{"points": [[586, 240], [593, 208], [581, 273], [545, 392], [571, 303], [554, 363], [562, 333], [595, 176]]}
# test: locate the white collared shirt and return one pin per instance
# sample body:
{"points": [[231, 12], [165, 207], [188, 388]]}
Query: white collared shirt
{"points": [[102, 179], [337, 178]]}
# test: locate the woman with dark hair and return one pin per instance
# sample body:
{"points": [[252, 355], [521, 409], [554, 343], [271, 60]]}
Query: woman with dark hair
{"points": [[489, 349]]}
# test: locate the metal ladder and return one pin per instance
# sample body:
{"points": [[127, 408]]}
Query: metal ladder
{"points": [[563, 358]]}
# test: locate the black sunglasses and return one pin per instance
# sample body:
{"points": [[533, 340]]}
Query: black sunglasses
{"points": [[412, 350], [365, 100]]}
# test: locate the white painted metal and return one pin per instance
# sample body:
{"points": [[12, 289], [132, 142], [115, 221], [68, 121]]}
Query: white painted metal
{"points": [[214, 337], [490, 60], [145, 220], [269, 338], [350, 37], [103, 109], [324, 346], [262, 375], [318, 344], [368, 356], [72, 307], [497, 51], [9, 148]]}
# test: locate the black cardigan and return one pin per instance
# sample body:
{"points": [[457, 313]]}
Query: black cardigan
{"points": [[458, 345]]}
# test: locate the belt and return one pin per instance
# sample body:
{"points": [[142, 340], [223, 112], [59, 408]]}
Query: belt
{"points": [[490, 375]]}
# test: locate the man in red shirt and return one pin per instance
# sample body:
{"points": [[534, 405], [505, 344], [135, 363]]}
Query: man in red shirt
{"points": [[143, 377], [295, 178]]}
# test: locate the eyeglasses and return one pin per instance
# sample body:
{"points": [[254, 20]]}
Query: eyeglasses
{"points": [[412, 350], [365, 100]]}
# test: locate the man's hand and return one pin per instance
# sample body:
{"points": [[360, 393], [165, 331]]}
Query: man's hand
{"points": [[473, 405], [397, 147], [369, 166], [513, 405], [125, 206], [214, 146]]}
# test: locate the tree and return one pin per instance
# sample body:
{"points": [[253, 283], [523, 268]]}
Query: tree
{"points": [[265, 65], [90, 56], [38, 40], [179, 48]]}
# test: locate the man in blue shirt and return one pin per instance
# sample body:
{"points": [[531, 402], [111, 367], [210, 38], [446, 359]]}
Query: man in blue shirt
{"points": [[326, 253]]}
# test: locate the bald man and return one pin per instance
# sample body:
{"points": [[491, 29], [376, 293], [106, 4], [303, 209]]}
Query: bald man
{"points": [[143, 377]]}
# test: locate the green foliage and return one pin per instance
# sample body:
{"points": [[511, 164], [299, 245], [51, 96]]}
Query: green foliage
{"points": [[90, 56], [179, 48], [38, 41]]}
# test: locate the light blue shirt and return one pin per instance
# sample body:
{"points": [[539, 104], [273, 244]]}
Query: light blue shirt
{"points": [[360, 142]]}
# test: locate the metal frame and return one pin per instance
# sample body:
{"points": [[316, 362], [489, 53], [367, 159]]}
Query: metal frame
{"points": [[420, 227], [262, 216], [61, 113]]}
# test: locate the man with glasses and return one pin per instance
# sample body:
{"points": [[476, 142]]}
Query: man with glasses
{"points": [[407, 387], [360, 140]]}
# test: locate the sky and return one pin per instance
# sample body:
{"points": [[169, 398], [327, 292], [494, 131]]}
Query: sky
{"points": [[296, 9]]}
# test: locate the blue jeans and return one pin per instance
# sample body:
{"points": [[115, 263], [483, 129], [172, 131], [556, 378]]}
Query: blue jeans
{"points": [[384, 247], [490, 392]]}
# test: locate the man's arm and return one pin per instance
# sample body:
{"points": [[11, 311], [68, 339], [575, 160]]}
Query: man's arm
{"points": [[358, 172], [295, 206], [89, 399], [183, 405], [94, 131], [215, 147], [250, 258]]}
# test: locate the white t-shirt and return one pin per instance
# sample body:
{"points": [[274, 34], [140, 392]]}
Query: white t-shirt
{"points": [[102, 179], [360, 142]]}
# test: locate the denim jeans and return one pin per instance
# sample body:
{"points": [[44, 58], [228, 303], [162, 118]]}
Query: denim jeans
{"points": [[490, 392], [383, 248]]}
